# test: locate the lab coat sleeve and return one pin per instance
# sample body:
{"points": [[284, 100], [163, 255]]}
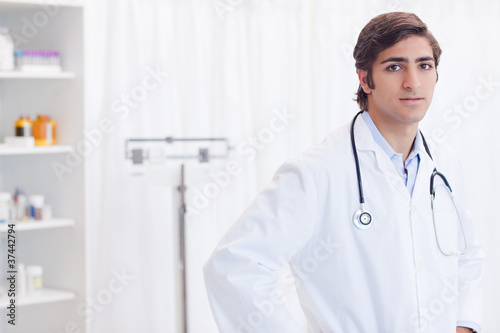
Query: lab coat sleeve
{"points": [[470, 265], [240, 276]]}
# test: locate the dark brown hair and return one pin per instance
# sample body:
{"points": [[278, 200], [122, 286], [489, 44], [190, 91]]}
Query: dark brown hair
{"points": [[382, 32]]}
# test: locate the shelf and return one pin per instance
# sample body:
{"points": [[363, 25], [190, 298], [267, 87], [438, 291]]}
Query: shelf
{"points": [[57, 149], [44, 296], [39, 225], [35, 4], [36, 75]]}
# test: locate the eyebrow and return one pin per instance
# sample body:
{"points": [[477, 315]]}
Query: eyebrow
{"points": [[405, 60]]}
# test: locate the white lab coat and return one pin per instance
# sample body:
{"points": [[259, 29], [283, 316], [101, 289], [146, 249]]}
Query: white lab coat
{"points": [[389, 278]]}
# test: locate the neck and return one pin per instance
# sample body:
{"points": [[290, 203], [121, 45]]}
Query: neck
{"points": [[399, 136]]}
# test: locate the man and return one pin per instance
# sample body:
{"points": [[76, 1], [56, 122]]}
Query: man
{"points": [[405, 267]]}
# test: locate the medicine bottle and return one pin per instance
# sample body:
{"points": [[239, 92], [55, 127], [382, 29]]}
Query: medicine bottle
{"points": [[21, 280], [44, 131], [24, 126], [20, 204], [5, 207], [36, 204], [6, 50], [35, 279]]}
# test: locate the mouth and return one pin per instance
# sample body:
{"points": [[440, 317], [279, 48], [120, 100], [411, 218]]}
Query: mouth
{"points": [[412, 100]]}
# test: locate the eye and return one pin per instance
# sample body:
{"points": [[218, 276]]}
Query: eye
{"points": [[426, 66], [393, 68]]}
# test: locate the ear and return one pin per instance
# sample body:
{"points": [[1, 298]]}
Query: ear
{"points": [[363, 80]]}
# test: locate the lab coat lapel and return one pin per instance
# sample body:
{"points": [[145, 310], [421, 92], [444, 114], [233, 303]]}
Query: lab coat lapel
{"points": [[365, 143]]}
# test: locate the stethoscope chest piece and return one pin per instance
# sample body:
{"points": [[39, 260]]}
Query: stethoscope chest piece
{"points": [[362, 219]]}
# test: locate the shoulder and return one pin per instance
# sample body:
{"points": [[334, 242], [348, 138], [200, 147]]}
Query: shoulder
{"points": [[447, 160], [445, 154], [324, 159], [336, 145]]}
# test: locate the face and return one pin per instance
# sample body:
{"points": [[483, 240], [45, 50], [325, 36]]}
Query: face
{"points": [[404, 76]]}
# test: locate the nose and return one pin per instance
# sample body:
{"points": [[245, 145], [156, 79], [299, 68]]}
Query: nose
{"points": [[411, 79]]}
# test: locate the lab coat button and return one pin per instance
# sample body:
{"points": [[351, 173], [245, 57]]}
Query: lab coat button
{"points": [[420, 267]]}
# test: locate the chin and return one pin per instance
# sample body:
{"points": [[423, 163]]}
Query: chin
{"points": [[416, 120], [413, 116]]}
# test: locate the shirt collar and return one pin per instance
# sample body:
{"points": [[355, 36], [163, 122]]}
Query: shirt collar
{"points": [[386, 147]]}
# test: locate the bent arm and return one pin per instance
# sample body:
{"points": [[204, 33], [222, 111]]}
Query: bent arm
{"points": [[240, 276]]}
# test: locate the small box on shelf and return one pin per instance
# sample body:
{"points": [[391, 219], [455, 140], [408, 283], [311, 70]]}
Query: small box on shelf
{"points": [[19, 141]]}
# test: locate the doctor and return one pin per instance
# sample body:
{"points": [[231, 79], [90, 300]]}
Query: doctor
{"points": [[405, 266]]}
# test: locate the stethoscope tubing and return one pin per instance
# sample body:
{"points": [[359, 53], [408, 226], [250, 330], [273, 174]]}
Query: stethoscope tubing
{"points": [[356, 160], [362, 212]]}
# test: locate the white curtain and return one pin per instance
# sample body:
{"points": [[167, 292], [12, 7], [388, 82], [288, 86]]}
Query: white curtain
{"points": [[274, 77]]}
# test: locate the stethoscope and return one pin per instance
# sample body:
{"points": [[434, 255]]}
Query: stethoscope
{"points": [[363, 219]]}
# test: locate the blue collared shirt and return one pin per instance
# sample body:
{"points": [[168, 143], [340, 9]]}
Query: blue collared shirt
{"points": [[407, 169]]}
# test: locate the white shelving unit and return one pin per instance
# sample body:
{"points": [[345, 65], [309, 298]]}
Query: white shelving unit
{"points": [[57, 244]]}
